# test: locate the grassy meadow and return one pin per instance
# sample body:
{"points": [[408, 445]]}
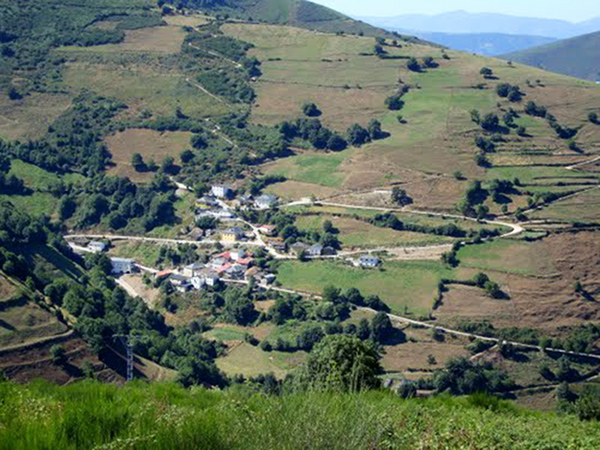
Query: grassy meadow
{"points": [[163, 416]]}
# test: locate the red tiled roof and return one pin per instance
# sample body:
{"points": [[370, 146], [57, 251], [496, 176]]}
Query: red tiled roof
{"points": [[164, 273], [245, 261]]}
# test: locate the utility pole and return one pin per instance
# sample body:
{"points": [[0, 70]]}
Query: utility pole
{"points": [[126, 342]]}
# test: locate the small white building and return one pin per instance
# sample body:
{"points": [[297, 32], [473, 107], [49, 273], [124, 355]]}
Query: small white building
{"points": [[97, 246], [236, 254], [205, 278], [122, 265], [181, 283], [221, 191], [266, 201], [369, 262]]}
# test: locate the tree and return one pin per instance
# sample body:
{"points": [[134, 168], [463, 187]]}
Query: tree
{"points": [[137, 161], [429, 62], [503, 89], [461, 376], [14, 94], [480, 279], [239, 308], [493, 289], [357, 135], [593, 117], [522, 131], [309, 337], [378, 50], [394, 102], [413, 65], [66, 207], [186, 156], [311, 110], [58, 354], [490, 122], [341, 363], [336, 142], [168, 165], [381, 327], [375, 131], [199, 142], [486, 72], [400, 197]]}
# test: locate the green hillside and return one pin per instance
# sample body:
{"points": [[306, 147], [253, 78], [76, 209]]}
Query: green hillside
{"points": [[162, 416], [576, 57]]}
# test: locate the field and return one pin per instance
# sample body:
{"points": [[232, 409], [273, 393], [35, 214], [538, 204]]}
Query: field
{"points": [[437, 136], [251, 361], [401, 285], [165, 39], [30, 117], [358, 234], [148, 143], [539, 278], [585, 207]]}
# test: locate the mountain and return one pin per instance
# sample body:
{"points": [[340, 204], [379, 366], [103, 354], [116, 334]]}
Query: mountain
{"points": [[465, 22], [577, 57], [489, 44], [300, 13]]}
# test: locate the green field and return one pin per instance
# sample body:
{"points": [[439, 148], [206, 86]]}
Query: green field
{"points": [[356, 233], [250, 361], [164, 416], [315, 168], [399, 284]]}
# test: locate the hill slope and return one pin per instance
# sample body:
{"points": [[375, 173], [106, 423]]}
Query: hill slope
{"points": [[576, 57]]}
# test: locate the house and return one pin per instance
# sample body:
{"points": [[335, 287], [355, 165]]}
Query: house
{"points": [[237, 254], [192, 270], [197, 234], [218, 262], [266, 201], [369, 261], [232, 235], [205, 278], [267, 230], [180, 283], [269, 278], [97, 246], [315, 250], [251, 273], [164, 273], [221, 191], [122, 265], [207, 202], [236, 272], [298, 248], [329, 251]]}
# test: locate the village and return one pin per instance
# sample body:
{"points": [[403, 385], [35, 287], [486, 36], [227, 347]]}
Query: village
{"points": [[233, 248]]}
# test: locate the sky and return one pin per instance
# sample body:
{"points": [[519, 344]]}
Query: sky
{"points": [[572, 10]]}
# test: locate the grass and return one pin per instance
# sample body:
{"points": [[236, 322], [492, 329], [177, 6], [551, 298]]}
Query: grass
{"points": [[163, 416], [510, 256], [142, 86], [583, 207], [148, 143], [36, 204], [38, 178], [248, 360], [315, 168], [164, 39], [143, 252], [410, 284], [356, 233]]}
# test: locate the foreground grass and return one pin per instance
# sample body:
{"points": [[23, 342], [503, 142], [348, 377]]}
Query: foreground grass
{"points": [[163, 416]]}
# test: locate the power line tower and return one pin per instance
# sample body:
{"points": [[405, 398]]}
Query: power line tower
{"points": [[126, 342]]}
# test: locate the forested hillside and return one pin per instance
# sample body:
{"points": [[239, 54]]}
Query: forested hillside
{"points": [[575, 57]]}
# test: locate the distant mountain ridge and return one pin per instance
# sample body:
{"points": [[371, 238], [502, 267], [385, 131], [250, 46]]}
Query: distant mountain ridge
{"points": [[488, 44], [577, 57], [468, 23]]}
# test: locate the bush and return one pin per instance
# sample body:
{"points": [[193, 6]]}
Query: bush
{"points": [[311, 110]]}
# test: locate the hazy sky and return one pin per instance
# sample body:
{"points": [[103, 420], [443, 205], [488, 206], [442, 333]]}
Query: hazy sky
{"points": [[572, 10]]}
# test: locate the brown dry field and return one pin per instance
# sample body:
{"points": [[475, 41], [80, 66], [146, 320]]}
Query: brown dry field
{"points": [[148, 143], [165, 39], [291, 189], [30, 117], [412, 356], [546, 299], [186, 21]]}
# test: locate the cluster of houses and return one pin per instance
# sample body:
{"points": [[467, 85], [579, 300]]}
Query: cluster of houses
{"points": [[233, 265]]}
